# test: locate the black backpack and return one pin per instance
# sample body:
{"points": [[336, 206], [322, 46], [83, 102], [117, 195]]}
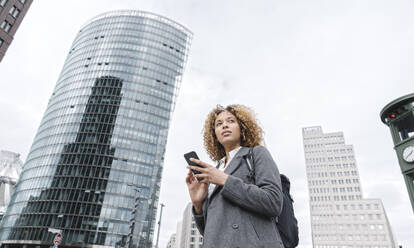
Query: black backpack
{"points": [[286, 222]]}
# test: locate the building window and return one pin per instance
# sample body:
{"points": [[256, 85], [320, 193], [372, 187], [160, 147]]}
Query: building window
{"points": [[3, 3], [14, 11], [5, 25], [7, 28], [1, 42], [22, 1]]}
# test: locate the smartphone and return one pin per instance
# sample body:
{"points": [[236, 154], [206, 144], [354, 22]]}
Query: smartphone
{"points": [[187, 157]]}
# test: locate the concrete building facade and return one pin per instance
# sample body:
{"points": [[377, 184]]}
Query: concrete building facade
{"points": [[12, 13], [188, 236], [340, 216], [171, 242]]}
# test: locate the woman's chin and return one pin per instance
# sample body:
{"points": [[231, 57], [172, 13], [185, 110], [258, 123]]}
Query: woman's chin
{"points": [[230, 143]]}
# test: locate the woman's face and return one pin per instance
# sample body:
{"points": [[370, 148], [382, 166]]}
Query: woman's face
{"points": [[227, 130]]}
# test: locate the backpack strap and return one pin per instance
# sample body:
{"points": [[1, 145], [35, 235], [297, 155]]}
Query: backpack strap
{"points": [[286, 223], [218, 165], [249, 157]]}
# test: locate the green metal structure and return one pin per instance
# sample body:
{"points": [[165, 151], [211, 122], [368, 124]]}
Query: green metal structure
{"points": [[398, 115]]}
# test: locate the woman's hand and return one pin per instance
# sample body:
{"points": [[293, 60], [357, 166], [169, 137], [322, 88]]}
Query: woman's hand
{"points": [[197, 190], [210, 174]]}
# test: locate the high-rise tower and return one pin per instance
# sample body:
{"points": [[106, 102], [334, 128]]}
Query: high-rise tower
{"points": [[340, 216], [95, 166]]}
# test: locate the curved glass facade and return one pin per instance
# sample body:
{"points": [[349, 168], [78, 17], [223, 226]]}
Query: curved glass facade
{"points": [[102, 137]]}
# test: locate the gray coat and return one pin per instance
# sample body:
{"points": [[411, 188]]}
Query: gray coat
{"points": [[239, 213]]}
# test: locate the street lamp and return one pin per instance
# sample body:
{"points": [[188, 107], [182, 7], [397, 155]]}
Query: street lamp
{"points": [[159, 225], [133, 214]]}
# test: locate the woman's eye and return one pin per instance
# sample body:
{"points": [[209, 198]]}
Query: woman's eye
{"points": [[218, 124]]}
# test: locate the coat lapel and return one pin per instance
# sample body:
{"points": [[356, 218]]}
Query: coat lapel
{"points": [[233, 166], [236, 161]]}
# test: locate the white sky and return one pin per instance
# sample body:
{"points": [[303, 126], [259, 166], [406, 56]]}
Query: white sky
{"points": [[296, 63]]}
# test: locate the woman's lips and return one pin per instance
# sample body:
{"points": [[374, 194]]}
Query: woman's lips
{"points": [[225, 133]]}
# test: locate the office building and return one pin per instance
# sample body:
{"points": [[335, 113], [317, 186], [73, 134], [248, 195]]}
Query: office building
{"points": [[10, 168], [95, 165], [171, 242], [189, 236], [340, 215], [12, 13]]}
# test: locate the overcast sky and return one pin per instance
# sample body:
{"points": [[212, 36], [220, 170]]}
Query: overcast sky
{"points": [[296, 63]]}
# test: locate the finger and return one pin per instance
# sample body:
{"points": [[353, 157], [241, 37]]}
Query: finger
{"points": [[201, 175], [199, 162], [205, 181], [188, 179], [196, 168]]}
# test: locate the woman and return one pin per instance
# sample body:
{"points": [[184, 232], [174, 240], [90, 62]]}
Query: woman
{"points": [[230, 210]]}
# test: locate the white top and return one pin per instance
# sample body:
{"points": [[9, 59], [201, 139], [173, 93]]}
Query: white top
{"points": [[222, 166]]}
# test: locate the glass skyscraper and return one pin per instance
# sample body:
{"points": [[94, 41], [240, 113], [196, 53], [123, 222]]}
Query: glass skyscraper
{"points": [[102, 137]]}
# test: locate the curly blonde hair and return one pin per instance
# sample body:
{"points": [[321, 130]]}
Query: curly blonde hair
{"points": [[250, 131]]}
